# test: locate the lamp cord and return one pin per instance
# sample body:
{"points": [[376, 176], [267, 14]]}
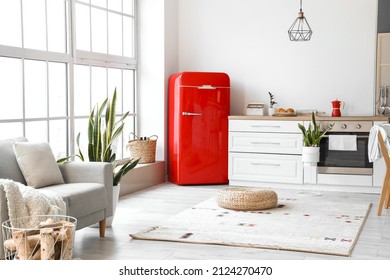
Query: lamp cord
{"points": [[300, 5]]}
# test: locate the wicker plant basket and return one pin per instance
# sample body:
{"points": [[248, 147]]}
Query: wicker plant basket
{"points": [[246, 198], [144, 149]]}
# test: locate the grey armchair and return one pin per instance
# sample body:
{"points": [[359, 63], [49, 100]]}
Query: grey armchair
{"points": [[87, 190]]}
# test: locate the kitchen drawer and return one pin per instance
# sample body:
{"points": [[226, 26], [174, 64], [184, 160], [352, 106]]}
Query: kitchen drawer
{"points": [[264, 126], [265, 143], [266, 168]]}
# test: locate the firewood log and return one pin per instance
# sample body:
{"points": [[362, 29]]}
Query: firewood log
{"points": [[9, 245], [47, 244], [68, 243], [59, 235], [23, 248]]}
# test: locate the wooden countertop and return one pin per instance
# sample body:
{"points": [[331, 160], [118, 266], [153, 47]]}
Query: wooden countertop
{"points": [[308, 118]]}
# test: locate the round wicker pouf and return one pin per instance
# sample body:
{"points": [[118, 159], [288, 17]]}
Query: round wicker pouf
{"points": [[246, 198]]}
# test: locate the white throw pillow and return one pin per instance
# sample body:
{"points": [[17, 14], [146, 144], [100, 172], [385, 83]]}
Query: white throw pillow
{"points": [[37, 163]]}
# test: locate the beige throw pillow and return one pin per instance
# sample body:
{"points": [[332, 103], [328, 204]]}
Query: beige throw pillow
{"points": [[37, 163]]}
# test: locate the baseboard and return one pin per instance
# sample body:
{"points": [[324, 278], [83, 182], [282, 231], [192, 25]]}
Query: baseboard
{"points": [[143, 176]]}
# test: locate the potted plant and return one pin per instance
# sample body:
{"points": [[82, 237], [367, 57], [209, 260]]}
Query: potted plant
{"points": [[311, 140], [101, 137], [272, 102]]}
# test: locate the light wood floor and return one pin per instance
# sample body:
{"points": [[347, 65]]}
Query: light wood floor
{"points": [[148, 207]]}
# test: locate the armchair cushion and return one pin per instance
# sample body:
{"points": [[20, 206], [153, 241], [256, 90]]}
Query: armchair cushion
{"points": [[9, 168], [81, 199], [37, 163]]}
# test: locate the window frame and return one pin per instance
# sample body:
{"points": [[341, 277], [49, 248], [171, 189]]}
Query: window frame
{"points": [[70, 58]]}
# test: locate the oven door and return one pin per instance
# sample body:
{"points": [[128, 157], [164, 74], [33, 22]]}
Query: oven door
{"points": [[345, 162]]}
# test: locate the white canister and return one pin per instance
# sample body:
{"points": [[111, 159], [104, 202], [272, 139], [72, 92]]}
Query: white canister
{"points": [[255, 109]]}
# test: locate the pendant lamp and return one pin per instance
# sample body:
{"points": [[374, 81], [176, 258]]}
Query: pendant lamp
{"points": [[300, 30]]}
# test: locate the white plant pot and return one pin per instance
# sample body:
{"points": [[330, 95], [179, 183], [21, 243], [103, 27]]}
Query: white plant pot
{"points": [[271, 111], [115, 198], [311, 154]]}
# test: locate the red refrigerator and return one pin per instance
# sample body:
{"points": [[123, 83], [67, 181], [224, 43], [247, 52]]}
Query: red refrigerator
{"points": [[199, 106]]}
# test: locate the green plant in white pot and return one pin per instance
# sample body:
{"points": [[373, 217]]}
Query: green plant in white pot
{"points": [[311, 140], [102, 134]]}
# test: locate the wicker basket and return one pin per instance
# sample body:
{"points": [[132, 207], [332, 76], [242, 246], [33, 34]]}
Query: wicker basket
{"points": [[246, 198], [40, 237], [144, 149]]}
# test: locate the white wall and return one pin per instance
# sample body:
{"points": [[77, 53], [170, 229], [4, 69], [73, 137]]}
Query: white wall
{"points": [[248, 40], [151, 83], [157, 52], [171, 50]]}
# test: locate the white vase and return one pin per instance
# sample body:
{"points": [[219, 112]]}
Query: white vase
{"points": [[271, 111], [310, 154], [115, 199]]}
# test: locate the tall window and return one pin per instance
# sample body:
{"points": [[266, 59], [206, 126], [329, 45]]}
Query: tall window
{"points": [[58, 59]]}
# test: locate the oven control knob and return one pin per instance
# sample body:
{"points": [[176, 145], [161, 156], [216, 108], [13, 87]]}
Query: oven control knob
{"points": [[358, 126], [344, 126]]}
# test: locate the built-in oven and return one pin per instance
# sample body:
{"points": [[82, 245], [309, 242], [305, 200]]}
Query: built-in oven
{"points": [[346, 161]]}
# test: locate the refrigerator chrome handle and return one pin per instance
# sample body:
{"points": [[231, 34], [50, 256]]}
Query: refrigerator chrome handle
{"points": [[206, 87], [191, 114]]}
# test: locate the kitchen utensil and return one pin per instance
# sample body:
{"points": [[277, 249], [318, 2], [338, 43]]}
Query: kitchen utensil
{"points": [[337, 104]]}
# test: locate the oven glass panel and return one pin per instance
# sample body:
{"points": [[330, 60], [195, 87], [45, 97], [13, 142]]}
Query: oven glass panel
{"points": [[357, 158]]}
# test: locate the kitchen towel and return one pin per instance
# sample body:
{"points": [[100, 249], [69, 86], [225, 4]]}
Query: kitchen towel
{"points": [[342, 142], [374, 151]]}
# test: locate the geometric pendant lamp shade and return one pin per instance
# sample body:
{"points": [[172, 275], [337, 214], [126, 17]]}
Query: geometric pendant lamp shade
{"points": [[300, 30]]}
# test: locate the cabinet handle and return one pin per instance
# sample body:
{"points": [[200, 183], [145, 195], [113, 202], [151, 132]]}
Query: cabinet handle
{"points": [[265, 164], [267, 143], [268, 126]]}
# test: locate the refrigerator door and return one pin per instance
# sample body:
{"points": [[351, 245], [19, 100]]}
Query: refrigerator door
{"points": [[200, 140]]}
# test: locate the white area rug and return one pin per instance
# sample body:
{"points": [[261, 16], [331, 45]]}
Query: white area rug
{"points": [[297, 224]]}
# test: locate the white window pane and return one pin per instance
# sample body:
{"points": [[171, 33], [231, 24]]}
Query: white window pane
{"points": [[34, 24], [85, 1], [128, 37], [118, 146], [128, 7], [128, 91], [57, 89], [56, 25], [58, 138], [99, 30], [129, 128], [82, 105], [115, 5], [115, 81], [11, 130], [10, 23], [36, 131], [83, 37], [35, 88], [100, 3], [114, 34], [81, 126], [99, 85], [11, 98]]}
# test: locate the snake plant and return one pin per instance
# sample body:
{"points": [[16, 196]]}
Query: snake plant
{"points": [[313, 134], [102, 134]]}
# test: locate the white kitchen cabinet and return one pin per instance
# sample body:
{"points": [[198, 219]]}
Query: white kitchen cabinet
{"points": [[276, 143], [265, 168], [265, 151], [264, 126]]}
